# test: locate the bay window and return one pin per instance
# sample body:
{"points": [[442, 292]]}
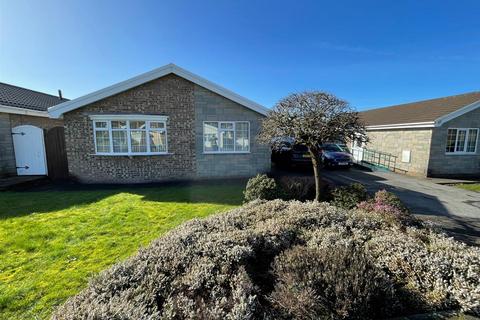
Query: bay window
{"points": [[226, 136], [130, 135], [461, 140]]}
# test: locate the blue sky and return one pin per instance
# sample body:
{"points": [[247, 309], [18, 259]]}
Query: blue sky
{"points": [[371, 53]]}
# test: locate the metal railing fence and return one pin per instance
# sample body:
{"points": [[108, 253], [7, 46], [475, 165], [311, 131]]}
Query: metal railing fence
{"points": [[374, 157]]}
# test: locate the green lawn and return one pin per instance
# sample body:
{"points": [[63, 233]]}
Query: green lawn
{"points": [[470, 186], [52, 242]]}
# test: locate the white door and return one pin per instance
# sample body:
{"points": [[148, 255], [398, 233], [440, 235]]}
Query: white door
{"points": [[357, 154], [29, 150], [357, 151]]}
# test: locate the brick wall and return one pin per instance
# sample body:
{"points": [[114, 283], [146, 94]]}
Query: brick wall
{"points": [[41, 122], [187, 106], [171, 96], [395, 141], [457, 165], [7, 156], [210, 106]]}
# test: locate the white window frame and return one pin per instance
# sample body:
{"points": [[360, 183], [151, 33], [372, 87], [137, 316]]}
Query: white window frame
{"points": [[234, 137], [148, 119], [467, 136]]}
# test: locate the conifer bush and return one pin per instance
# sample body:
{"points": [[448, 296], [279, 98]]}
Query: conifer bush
{"points": [[349, 196], [261, 187]]}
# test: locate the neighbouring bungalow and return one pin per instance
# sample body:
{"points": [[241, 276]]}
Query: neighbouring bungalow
{"points": [[167, 124], [437, 137], [24, 124]]}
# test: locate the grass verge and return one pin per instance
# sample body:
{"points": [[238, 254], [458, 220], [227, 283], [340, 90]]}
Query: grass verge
{"points": [[469, 186]]}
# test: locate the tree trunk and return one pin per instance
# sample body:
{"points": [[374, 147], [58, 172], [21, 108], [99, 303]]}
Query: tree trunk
{"points": [[314, 153]]}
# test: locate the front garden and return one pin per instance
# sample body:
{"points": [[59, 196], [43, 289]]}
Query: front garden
{"points": [[52, 242], [366, 257], [354, 256]]}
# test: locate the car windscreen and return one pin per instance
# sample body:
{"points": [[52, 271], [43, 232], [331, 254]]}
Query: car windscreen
{"points": [[331, 148], [300, 148]]}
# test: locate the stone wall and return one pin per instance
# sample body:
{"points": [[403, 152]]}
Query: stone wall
{"points": [[171, 96], [455, 165], [396, 141], [7, 156], [210, 106]]}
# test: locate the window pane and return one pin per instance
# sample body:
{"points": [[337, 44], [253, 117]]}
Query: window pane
{"points": [[120, 143], [102, 141], [157, 125], [451, 137], [119, 124], [137, 124], [242, 142], [101, 124], [461, 140], [226, 126], [226, 141], [138, 141], [158, 141], [210, 136], [472, 140]]}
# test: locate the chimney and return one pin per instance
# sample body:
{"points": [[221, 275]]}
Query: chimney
{"points": [[60, 94]]}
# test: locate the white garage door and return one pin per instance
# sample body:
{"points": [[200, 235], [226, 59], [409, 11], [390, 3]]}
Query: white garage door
{"points": [[29, 150]]}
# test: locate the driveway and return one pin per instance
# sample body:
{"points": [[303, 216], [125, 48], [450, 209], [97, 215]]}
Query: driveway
{"points": [[455, 210]]}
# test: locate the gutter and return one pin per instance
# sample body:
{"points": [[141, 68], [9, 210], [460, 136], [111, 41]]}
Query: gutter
{"points": [[22, 111], [412, 125]]}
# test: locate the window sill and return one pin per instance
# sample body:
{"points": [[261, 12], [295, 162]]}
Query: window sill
{"points": [[131, 155], [461, 154], [229, 152]]}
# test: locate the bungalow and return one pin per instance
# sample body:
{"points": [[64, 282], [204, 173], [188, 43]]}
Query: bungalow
{"points": [[166, 124], [23, 122], [437, 137]]}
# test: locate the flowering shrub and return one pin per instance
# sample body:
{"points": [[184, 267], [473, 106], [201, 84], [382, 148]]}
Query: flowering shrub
{"points": [[389, 205], [437, 272], [313, 282], [286, 260]]}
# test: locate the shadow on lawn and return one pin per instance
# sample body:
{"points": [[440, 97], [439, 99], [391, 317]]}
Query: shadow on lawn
{"points": [[55, 197]]}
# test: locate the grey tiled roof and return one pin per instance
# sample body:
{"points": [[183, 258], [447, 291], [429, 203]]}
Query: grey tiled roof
{"points": [[420, 111], [13, 96]]}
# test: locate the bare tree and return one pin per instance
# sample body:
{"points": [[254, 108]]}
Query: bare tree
{"points": [[311, 118]]}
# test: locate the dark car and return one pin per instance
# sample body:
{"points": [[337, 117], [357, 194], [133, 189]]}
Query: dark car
{"points": [[288, 154], [333, 155]]}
